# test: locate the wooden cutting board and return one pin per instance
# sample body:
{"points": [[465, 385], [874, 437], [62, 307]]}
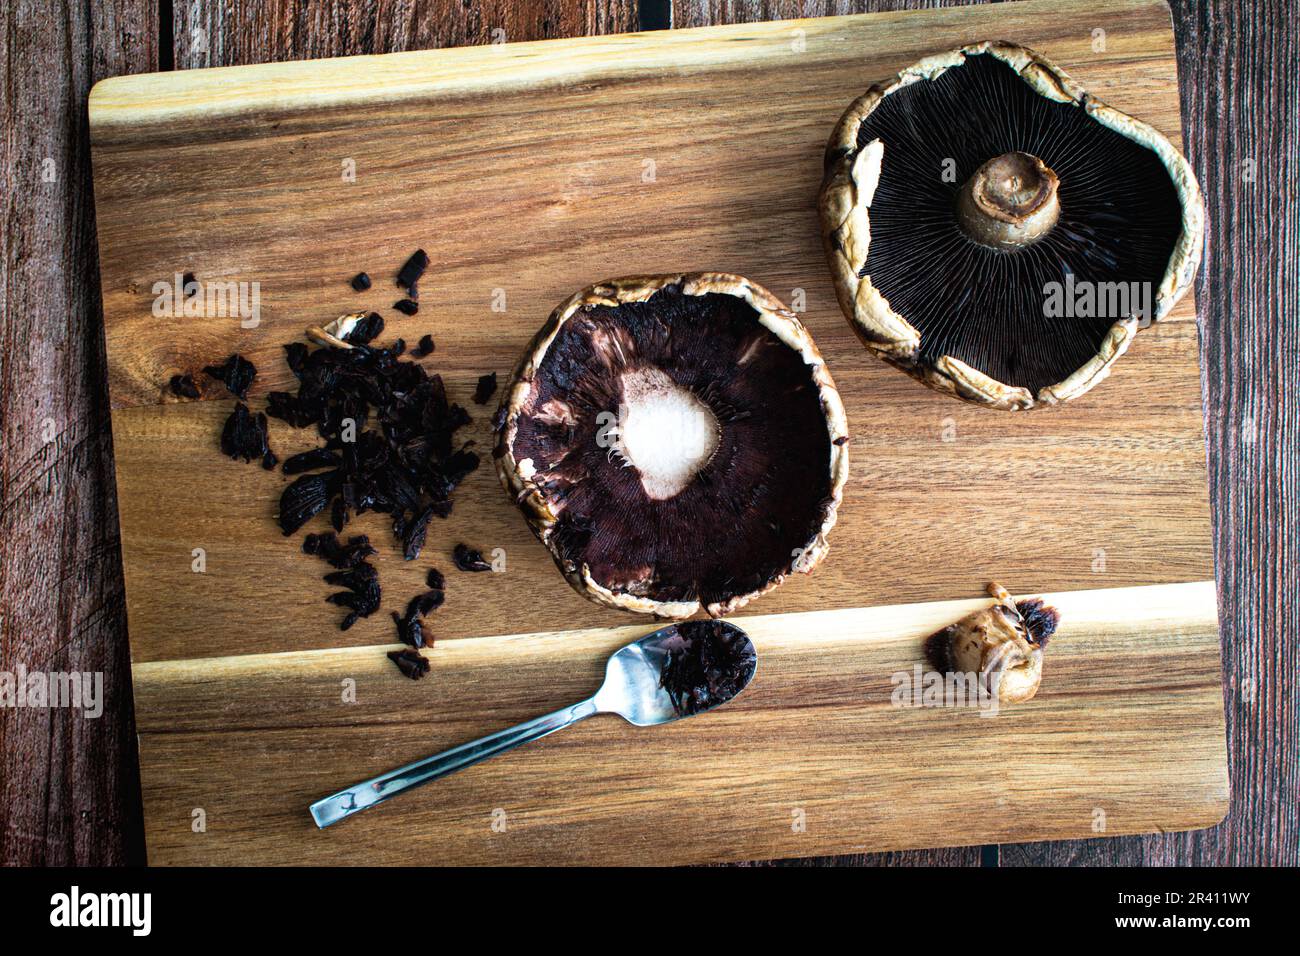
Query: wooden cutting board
{"points": [[527, 171]]}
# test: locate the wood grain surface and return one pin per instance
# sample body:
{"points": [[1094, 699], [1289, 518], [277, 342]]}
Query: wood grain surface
{"points": [[68, 786], [66, 797], [1130, 462], [505, 212], [449, 156], [817, 755]]}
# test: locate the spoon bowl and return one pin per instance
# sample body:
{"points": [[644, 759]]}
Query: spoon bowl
{"points": [[633, 686]]}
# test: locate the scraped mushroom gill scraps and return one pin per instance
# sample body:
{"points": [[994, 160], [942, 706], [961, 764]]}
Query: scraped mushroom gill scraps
{"points": [[1119, 220], [708, 663], [389, 445]]}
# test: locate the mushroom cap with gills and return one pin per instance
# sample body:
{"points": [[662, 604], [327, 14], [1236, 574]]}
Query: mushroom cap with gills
{"points": [[999, 233], [676, 442]]}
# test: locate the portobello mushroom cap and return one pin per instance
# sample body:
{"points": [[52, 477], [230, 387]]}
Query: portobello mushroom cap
{"points": [[676, 442], [999, 233]]}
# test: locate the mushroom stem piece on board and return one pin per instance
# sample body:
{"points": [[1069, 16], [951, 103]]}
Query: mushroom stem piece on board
{"points": [[676, 442], [999, 233], [1002, 645]]}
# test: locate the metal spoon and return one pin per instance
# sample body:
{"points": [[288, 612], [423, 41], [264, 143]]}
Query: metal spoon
{"points": [[631, 690]]}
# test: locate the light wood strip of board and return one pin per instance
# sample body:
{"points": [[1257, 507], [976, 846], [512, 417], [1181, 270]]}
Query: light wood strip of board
{"points": [[1126, 735], [164, 98]]}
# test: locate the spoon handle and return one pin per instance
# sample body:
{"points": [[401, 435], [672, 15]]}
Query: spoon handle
{"points": [[334, 808]]}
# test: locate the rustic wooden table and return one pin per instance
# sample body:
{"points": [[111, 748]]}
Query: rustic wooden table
{"points": [[69, 790]]}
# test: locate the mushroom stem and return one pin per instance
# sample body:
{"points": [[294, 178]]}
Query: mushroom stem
{"points": [[1010, 202]]}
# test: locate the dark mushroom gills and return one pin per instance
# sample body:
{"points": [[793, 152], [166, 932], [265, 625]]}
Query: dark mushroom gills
{"points": [[999, 233], [676, 442]]}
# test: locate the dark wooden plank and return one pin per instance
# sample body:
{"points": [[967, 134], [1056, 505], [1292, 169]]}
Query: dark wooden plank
{"points": [[704, 13], [1241, 118], [251, 32], [69, 786]]}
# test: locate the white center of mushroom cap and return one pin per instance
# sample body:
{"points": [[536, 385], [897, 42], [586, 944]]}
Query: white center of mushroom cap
{"points": [[664, 431]]}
